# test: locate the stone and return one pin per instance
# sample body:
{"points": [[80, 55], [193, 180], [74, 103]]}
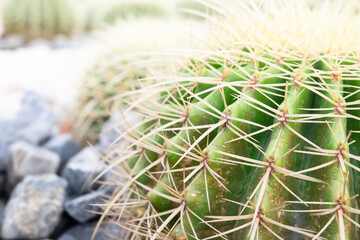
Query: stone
{"points": [[12, 42], [85, 231], [116, 124], [66, 222], [2, 183], [26, 159], [7, 137], [34, 208], [81, 208], [64, 145], [2, 212], [35, 121], [81, 170]]}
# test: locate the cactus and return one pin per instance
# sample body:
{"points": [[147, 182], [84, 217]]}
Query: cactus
{"points": [[257, 139], [104, 81], [191, 9], [118, 67], [128, 10], [34, 19]]}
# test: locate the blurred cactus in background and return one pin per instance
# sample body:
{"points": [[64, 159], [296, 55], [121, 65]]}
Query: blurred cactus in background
{"points": [[35, 19], [192, 9], [102, 83], [133, 10], [129, 49], [100, 14]]}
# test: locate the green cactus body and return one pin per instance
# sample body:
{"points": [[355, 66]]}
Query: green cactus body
{"points": [[34, 19], [259, 143], [205, 184], [284, 137], [332, 137], [211, 102], [353, 86]]}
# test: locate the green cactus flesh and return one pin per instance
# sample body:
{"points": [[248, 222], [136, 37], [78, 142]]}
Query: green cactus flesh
{"points": [[34, 19]]}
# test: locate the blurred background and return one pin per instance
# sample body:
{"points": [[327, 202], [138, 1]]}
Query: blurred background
{"points": [[62, 65], [54, 47]]}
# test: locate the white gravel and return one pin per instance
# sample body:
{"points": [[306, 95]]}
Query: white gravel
{"points": [[54, 73]]}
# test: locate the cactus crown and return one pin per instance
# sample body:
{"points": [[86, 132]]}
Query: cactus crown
{"points": [[256, 139], [35, 19]]}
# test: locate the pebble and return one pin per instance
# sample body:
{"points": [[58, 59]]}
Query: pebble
{"points": [[2, 183], [34, 208], [35, 121], [81, 170], [26, 159], [11, 42], [2, 211], [81, 208], [65, 223], [64, 145], [7, 137], [85, 231], [116, 124]]}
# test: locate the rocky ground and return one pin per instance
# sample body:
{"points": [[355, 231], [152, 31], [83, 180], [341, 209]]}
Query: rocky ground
{"points": [[36, 178], [45, 178]]}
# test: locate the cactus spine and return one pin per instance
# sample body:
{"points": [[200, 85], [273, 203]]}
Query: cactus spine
{"points": [[257, 140]]}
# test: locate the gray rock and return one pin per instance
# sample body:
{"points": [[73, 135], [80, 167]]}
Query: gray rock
{"points": [[81, 170], [64, 145], [35, 121], [85, 231], [81, 208], [65, 223], [2, 183], [7, 137], [12, 42], [34, 208], [26, 159], [116, 124], [2, 212]]}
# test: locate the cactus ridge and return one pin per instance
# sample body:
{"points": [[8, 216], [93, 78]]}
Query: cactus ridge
{"points": [[250, 141]]}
